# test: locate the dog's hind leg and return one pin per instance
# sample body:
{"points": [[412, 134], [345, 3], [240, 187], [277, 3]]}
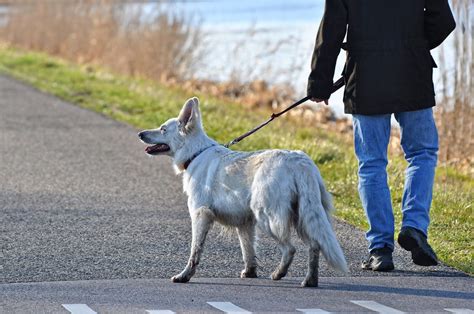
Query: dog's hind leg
{"points": [[311, 279], [287, 254], [279, 230], [202, 220], [247, 243]]}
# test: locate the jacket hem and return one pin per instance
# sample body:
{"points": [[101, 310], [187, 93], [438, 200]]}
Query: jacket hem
{"points": [[352, 108]]}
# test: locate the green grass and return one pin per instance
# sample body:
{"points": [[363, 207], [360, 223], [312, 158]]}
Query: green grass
{"points": [[146, 104]]}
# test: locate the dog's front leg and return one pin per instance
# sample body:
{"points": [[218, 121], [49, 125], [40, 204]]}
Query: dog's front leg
{"points": [[247, 243], [202, 220]]}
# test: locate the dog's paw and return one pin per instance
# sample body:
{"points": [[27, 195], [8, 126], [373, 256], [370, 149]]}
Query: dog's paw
{"points": [[276, 275], [180, 278], [310, 283], [249, 273]]}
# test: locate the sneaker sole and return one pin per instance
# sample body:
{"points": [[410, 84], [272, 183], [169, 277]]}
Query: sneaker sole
{"points": [[380, 267], [419, 255], [384, 268]]}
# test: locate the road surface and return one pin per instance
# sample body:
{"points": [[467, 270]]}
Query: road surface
{"points": [[88, 217]]}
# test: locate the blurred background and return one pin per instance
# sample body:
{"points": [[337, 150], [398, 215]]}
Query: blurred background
{"points": [[255, 52]]}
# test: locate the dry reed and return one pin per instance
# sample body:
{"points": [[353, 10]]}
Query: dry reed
{"points": [[158, 44], [455, 113], [168, 47], [162, 45]]}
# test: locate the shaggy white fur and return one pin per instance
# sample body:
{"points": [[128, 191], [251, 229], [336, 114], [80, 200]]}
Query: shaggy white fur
{"points": [[276, 190]]}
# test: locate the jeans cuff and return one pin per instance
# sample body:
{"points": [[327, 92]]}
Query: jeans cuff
{"points": [[381, 246], [415, 227]]}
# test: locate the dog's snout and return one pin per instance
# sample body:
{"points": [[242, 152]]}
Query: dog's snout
{"points": [[141, 135]]}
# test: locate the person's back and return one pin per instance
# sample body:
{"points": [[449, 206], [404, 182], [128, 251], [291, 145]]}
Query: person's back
{"points": [[388, 71], [389, 66], [375, 20]]}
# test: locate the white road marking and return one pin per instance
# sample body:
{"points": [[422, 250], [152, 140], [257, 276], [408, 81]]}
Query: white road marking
{"points": [[78, 309], [460, 311], [377, 307], [227, 307], [313, 311], [160, 312]]}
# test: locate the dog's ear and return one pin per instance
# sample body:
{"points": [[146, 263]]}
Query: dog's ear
{"points": [[190, 116]]}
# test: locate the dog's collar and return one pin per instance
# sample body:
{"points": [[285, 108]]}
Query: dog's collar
{"points": [[190, 160]]}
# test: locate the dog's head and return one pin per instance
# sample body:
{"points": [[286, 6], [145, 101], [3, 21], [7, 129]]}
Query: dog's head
{"points": [[170, 137]]}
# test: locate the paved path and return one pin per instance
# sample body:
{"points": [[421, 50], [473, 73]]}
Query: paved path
{"points": [[79, 200], [335, 294]]}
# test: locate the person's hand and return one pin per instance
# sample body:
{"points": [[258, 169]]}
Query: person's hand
{"points": [[320, 100]]}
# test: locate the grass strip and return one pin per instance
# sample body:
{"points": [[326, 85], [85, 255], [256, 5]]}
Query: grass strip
{"points": [[146, 104]]}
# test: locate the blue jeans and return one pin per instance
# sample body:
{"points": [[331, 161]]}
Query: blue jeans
{"points": [[419, 140]]}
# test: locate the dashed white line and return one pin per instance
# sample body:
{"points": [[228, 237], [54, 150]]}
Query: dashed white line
{"points": [[78, 309], [227, 307], [231, 308], [313, 311], [460, 311], [377, 307]]}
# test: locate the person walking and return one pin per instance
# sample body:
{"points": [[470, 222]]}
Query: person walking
{"points": [[388, 71]]}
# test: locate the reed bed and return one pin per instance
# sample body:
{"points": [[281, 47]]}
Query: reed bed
{"points": [[455, 113], [126, 38], [169, 47]]}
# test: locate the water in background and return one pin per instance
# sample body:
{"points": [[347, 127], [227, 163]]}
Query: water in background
{"points": [[259, 39], [267, 39]]}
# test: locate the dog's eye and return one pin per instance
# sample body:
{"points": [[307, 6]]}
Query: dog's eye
{"points": [[163, 130]]}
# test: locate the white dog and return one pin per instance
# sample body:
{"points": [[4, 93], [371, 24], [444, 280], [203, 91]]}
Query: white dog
{"points": [[276, 190]]}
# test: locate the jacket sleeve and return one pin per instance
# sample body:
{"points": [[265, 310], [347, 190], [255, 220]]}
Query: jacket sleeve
{"points": [[328, 44], [439, 21]]}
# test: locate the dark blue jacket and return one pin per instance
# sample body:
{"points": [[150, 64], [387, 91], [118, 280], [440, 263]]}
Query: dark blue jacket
{"points": [[389, 66]]}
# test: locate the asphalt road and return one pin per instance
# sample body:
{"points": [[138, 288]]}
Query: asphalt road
{"points": [[79, 200], [335, 294]]}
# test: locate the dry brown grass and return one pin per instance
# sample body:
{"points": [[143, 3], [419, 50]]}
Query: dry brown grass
{"points": [[168, 47], [160, 45], [455, 113], [127, 39]]}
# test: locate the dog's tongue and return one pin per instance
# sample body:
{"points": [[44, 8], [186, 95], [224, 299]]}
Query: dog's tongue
{"points": [[158, 148]]}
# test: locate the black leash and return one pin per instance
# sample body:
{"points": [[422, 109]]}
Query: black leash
{"points": [[338, 84]]}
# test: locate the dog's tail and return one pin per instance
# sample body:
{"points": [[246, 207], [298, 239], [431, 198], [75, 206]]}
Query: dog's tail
{"points": [[314, 219]]}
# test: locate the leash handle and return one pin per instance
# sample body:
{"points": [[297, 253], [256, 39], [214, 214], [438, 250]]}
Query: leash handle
{"points": [[338, 84]]}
